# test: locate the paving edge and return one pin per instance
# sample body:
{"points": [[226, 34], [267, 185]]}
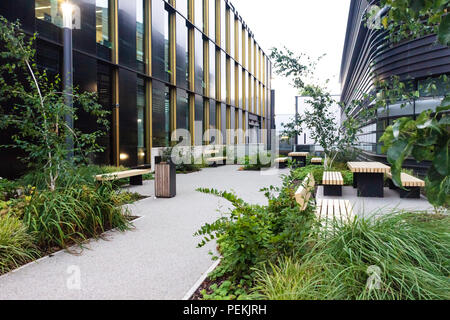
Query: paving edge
{"points": [[202, 278]]}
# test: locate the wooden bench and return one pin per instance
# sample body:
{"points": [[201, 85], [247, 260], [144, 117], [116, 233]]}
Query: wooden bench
{"points": [[134, 175], [303, 193], [299, 158], [333, 209], [211, 152], [412, 184], [215, 161], [326, 209], [332, 183], [281, 162], [316, 161]]}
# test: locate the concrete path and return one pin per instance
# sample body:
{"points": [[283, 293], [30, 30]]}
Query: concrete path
{"points": [[365, 207], [156, 260]]}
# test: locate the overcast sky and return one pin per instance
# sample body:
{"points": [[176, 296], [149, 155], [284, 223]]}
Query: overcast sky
{"points": [[309, 26]]}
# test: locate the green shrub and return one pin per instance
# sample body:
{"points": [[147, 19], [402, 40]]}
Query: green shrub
{"points": [[412, 252], [301, 173], [251, 234], [74, 214], [253, 163], [8, 189], [16, 245]]}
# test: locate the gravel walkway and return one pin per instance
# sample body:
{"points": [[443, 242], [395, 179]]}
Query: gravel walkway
{"points": [[156, 260]]}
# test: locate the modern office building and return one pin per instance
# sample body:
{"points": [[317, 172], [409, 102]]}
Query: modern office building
{"points": [[157, 66], [368, 56]]}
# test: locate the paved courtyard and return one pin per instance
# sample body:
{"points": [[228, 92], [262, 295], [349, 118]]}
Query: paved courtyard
{"points": [[365, 207], [156, 260]]}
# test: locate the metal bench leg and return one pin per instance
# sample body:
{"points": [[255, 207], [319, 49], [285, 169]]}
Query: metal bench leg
{"points": [[355, 180], [332, 191], [371, 185], [392, 185], [136, 181], [410, 193]]}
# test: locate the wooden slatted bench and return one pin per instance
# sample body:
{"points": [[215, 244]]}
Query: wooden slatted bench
{"points": [[215, 161], [303, 193], [412, 184], [326, 209], [332, 183], [316, 161], [211, 152], [329, 210], [134, 175], [281, 162]]}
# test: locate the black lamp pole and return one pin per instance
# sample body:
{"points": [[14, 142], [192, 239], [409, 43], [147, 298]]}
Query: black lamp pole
{"points": [[67, 77]]}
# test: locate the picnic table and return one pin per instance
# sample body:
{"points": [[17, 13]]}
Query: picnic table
{"points": [[368, 178]]}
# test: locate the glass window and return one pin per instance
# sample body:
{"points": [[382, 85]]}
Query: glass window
{"points": [[160, 40], [244, 89], [140, 30], [239, 41], [198, 7], [223, 22], [199, 84], [182, 110], [49, 11], [161, 114], [223, 121], [232, 34], [250, 55], [199, 120], [212, 119], [249, 94], [239, 87], [212, 70], [140, 104], [432, 87], [223, 75], [182, 52], [232, 83], [212, 19], [182, 7], [102, 23]]}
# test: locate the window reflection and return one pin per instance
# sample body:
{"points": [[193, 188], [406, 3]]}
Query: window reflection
{"points": [[140, 104], [102, 23], [140, 30], [49, 11]]}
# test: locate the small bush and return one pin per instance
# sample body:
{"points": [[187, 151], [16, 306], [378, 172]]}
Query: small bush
{"points": [[16, 244], [301, 173], [411, 251], [253, 163]]}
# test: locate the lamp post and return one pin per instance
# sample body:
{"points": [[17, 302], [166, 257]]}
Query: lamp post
{"points": [[67, 77]]}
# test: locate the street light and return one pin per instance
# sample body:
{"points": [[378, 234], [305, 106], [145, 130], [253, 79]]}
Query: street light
{"points": [[67, 77]]}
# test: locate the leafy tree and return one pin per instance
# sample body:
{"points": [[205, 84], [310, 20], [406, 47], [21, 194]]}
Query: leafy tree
{"points": [[409, 19], [333, 137], [34, 108]]}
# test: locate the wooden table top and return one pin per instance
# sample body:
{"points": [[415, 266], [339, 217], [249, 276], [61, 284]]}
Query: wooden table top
{"points": [[368, 167], [298, 154]]}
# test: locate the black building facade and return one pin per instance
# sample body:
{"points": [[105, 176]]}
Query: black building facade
{"points": [[157, 66], [369, 56]]}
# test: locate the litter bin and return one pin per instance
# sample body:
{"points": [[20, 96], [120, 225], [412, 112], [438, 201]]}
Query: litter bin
{"points": [[165, 179]]}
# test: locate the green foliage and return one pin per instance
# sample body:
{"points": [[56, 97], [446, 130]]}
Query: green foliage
{"points": [[16, 244], [426, 138], [228, 290], [8, 189], [411, 250], [35, 109], [300, 174], [333, 137], [411, 19], [251, 234], [74, 214], [254, 163]]}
